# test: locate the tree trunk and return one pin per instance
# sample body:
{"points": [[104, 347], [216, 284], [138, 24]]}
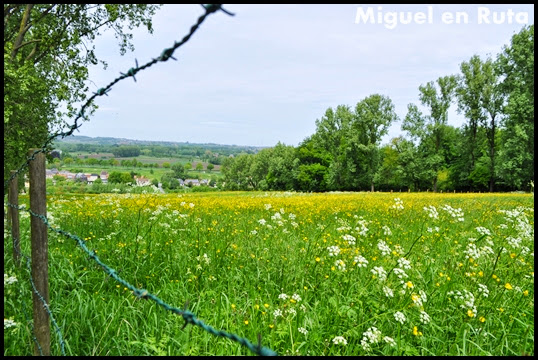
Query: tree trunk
{"points": [[492, 155]]}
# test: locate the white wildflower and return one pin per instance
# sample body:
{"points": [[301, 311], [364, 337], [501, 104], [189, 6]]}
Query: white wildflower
{"points": [[339, 340], [379, 272], [398, 204], [333, 250], [350, 239], [360, 261], [9, 323], [384, 248], [370, 336], [483, 231], [483, 290], [400, 317], [340, 264], [8, 280], [389, 340], [388, 291], [404, 263], [432, 212], [424, 317], [386, 231], [400, 273]]}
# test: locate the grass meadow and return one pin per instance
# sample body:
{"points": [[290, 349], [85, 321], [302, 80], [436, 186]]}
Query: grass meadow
{"points": [[313, 274]]}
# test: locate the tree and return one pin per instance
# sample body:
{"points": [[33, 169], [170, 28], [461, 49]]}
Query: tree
{"points": [[236, 172], [199, 166], [313, 163], [68, 161], [116, 177], [331, 135], [430, 129], [259, 168], [210, 167], [47, 51], [492, 101], [179, 171], [372, 119], [282, 168], [387, 177], [169, 181], [480, 100], [516, 63], [126, 151], [469, 93]]}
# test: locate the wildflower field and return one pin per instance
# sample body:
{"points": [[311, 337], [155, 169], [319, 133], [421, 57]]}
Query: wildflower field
{"points": [[313, 274]]}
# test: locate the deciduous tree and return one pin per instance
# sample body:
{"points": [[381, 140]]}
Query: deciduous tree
{"points": [[47, 51]]}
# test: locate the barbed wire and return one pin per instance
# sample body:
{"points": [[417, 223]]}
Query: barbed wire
{"points": [[165, 56], [188, 316], [45, 306]]}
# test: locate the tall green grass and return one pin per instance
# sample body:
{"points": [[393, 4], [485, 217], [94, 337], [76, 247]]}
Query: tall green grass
{"points": [[302, 270]]}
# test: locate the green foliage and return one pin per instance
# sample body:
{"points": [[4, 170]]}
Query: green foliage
{"points": [[170, 181], [116, 177], [516, 62], [311, 177], [430, 129], [351, 138], [480, 99], [126, 151], [179, 171], [47, 51]]}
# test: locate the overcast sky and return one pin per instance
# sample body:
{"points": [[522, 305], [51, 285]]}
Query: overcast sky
{"points": [[266, 74]]}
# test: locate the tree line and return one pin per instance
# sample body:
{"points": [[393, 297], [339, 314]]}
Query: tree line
{"points": [[492, 151], [208, 152], [49, 47]]}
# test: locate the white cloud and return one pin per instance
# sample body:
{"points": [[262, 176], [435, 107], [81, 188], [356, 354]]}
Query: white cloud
{"points": [[268, 73]]}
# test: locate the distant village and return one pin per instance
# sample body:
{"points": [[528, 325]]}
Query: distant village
{"points": [[90, 178]]}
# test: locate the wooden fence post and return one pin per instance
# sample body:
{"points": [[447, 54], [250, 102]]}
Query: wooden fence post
{"points": [[13, 199], [40, 270]]}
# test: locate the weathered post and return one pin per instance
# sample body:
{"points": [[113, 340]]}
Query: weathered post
{"points": [[40, 270], [13, 199]]}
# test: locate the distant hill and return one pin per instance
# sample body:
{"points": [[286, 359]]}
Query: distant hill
{"points": [[121, 141]]}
